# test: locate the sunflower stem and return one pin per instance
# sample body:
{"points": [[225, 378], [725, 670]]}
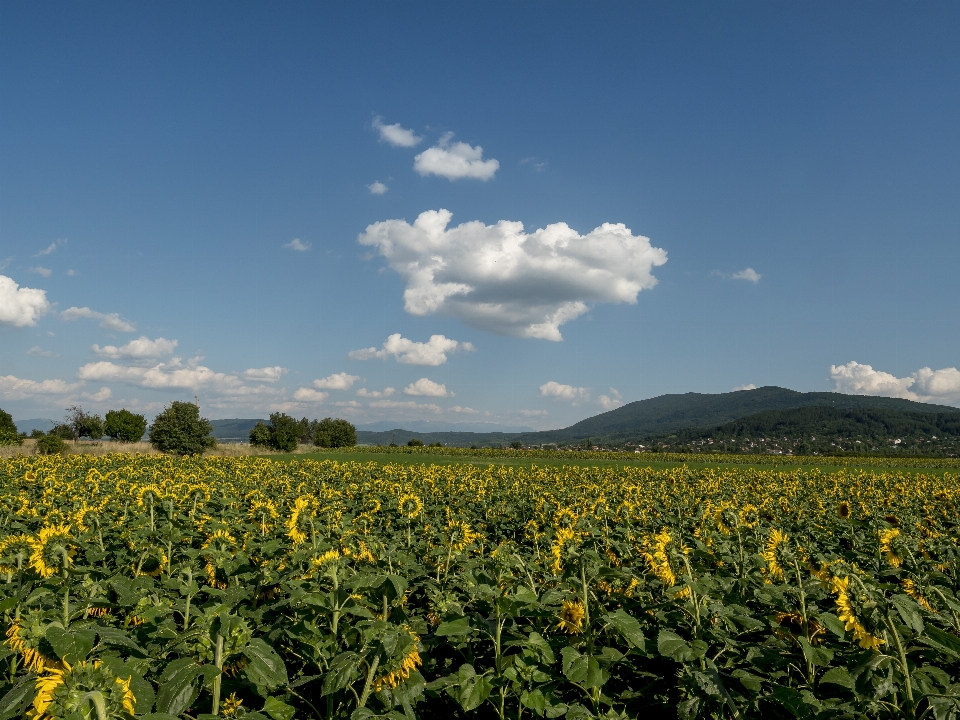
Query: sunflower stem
{"points": [[907, 684], [368, 686], [218, 661]]}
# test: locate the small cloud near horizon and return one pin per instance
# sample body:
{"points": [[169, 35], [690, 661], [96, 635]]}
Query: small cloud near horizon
{"points": [[298, 245]]}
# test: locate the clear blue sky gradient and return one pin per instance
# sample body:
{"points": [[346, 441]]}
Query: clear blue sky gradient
{"points": [[178, 146]]}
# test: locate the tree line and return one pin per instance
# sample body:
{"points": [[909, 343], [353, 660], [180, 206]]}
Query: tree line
{"points": [[179, 430]]}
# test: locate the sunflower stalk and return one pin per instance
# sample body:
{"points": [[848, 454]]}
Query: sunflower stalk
{"points": [[218, 661], [904, 667]]}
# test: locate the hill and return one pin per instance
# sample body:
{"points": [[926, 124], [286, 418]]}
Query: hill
{"points": [[821, 429], [234, 429], [669, 413]]}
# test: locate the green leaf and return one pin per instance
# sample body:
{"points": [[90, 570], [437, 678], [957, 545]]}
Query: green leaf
{"points": [[750, 682], [946, 642], [832, 623], [341, 672], [9, 603], [838, 676], [468, 688], [815, 655], [18, 698], [460, 626], [278, 709], [141, 689], [792, 701], [628, 627], [71, 645], [177, 687], [265, 668], [909, 611], [534, 700], [536, 641], [115, 636], [671, 645], [157, 716]]}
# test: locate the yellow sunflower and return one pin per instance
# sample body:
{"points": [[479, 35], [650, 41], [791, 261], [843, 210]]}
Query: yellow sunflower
{"points": [[52, 550], [571, 617], [72, 692]]}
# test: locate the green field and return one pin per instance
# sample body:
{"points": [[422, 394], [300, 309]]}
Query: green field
{"points": [[528, 460]]}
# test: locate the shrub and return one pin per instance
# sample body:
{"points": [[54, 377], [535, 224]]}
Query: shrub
{"points": [[36, 434], [63, 431], [516, 445], [260, 435], [414, 442], [8, 430], [334, 433], [180, 430], [84, 424], [124, 425], [283, 433], [51, 445]]}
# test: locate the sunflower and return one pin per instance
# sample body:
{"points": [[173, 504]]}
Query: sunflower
{"points": [[52, 550], [657, 556], [848, 616], [571, 617], [775, 553], [264, 513], [152, 562], [887, 538], [14, 553], [749, 516], [843, 510], [220, 543], [72, 692], [564, 541], [410, 506], [27, 637], [459, 535], [230, 706], [300, 519], [911, 589], [406, 659]]}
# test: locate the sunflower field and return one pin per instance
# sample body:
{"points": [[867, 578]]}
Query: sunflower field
{"points": [[159, 588]]}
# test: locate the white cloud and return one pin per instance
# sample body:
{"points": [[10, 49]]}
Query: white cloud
{"points": [[298, 245], [925, 385], [140, 349], [102, 395], [49, 249], [21, 307], [310, 395], [748, 274], [338, 381], [501, 279], [377, 188], [109, 321], [611, 401], [464, 410], [534, 413], [71, 272], [14, 388], [40, 270], [427, 388], [347, 404], [386, 392], [404, 405], [37, 351], [172, 375], [564, 392], [265, 374], [455, 160], [751, 386], [433, 352], [395, 134]]}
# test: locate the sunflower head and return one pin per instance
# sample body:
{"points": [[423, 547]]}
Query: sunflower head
{"points": [[778, 553], [403, 661], [410, 506], [572, 613], [843, 510], [15, 552], [88, 690], [52, 550]]}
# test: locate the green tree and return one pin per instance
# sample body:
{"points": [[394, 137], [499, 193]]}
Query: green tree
{"points": [[414, 442], [180, 430], [8, 430], [305, 431], [84, 424], [284, 432], [260, 435], [516, 445], [51, 445], [63, 431], [124, 425], [334, 433]]}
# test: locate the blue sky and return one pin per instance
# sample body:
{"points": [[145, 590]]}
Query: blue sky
{"points": [[726, 194]]}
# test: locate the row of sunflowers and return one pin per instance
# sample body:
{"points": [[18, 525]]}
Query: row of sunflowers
{"points": [[159, 588]]}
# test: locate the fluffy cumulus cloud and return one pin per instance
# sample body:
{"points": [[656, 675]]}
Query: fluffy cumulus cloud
{"points": [[925, 385], [750, 386], [395, 134], [108, 321], [14, 388], [377, 188], [143, 348], [101, 395], [427, 388], [455, 160], [504, 280], [611, 401], [309, 395], [298, 245], [386, 392], [265, 374], [21, 306], [560, 391], [748, 274], [337, 381], [433, 352], [171, 375]]}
